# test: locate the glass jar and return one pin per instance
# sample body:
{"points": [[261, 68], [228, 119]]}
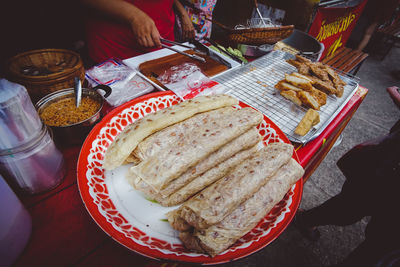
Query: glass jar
{"points": [[36, 166]]}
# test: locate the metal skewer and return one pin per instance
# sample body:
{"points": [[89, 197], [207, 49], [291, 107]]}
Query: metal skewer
{"points": [[185, 54]]}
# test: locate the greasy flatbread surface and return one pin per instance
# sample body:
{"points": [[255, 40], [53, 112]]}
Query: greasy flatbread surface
{"points": [[129, 138], [215, 202], [199, 139], [221, 236], [207, 178], [202, 174]]}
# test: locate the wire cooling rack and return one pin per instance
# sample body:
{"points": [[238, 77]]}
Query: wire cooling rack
{"points": [[254, 83]]}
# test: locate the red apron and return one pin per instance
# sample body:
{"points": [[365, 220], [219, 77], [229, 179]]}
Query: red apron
{"points": [[110, 39]]}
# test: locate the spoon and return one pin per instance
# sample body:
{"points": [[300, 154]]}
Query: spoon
{"points": [[78, 91]]}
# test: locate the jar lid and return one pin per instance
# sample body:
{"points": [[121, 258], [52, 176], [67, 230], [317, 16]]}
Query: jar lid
{"points": [[10, 90], [19, 119]]}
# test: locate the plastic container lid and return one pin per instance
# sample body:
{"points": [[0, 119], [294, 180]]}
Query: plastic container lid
{"points": [[19, 120]]}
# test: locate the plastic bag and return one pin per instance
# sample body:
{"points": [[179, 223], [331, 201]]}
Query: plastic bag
{"points": [[124, 81], [187, 81]]}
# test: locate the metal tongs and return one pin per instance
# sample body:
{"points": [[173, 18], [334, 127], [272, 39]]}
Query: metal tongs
{"points": [[196, 57]]}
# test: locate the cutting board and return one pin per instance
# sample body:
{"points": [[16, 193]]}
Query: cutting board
{"points": [[153, 68]]}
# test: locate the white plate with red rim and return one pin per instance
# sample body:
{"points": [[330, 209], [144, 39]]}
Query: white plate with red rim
{"points": [[139, 223]]}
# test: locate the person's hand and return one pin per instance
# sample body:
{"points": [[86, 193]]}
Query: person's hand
{"points": [[188, 32], [394, 93], [145, 30]]}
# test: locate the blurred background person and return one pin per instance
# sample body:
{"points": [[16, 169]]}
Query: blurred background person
{"points": [[375, 14], [199, 13], [372, 171]]}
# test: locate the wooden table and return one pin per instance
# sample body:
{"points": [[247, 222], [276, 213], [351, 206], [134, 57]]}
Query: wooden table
{"points": [[64, 233]]}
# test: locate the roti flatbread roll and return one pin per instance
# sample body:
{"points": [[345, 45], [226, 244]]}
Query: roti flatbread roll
{"points": [[199, 140], [174, 216], [244, 218], [214, 203], [129, 138], [199, 183], [176, 221], [242, 142], [169, 136], [207, 178]]}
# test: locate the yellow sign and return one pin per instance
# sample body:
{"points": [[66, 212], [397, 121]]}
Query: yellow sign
{"points": [[339, 25], [336, 44]]}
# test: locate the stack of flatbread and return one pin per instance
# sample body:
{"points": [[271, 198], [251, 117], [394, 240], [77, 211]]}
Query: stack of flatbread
{"points": [[203, 154]]}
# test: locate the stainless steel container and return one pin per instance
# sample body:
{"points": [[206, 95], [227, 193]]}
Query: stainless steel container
{"points": [[305, 44], [76, 133]]}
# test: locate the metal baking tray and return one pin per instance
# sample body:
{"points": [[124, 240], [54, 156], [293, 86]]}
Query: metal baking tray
{"points": [[254, 83]]}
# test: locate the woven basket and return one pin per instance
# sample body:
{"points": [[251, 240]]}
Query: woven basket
{"points": [[259, 36], [69, 66]]}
